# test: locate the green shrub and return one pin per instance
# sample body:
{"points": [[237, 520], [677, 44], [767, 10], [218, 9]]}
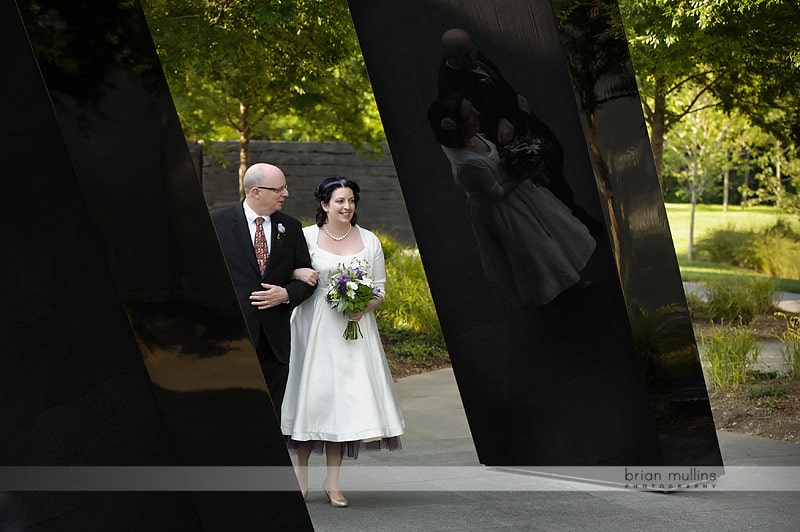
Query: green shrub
{"points": [[407, 318], [731, 353], [662, 335], [698, 309], [740, 298], [791, 344], [777, 252], [769, 391], [774, 251], [782, 229], [409, 344], [769, 395], [726, 246], [391, 246]]}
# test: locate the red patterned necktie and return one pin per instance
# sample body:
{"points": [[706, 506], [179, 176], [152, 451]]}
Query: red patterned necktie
{"points": [[260, 245]]}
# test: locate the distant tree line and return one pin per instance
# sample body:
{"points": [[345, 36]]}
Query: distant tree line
{"points": [[718, 83]]}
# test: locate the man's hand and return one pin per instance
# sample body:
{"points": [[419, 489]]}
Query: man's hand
{"points": [[522, 103], [271, 296], [505, 131]]}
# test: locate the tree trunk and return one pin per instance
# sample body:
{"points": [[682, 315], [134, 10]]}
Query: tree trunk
{"points": [[602, 176], [726, 185], [693, 207], [244, 143], [746, 177], [658, 126], [690, 252]]}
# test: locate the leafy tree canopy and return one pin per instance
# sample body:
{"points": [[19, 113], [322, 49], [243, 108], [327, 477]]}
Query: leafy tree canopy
{"points": [[745, 52], [265, 69], [756, 55]]}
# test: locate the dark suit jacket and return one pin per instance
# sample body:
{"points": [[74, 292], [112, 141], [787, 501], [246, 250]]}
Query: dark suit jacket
{"points": [[495, 98], [285, 254]]}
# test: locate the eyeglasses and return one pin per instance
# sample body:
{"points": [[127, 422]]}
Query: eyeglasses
{"points": [[275, 189]]}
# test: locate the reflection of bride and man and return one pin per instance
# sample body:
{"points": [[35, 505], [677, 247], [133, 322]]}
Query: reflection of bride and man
{"points": [[530, 238]]}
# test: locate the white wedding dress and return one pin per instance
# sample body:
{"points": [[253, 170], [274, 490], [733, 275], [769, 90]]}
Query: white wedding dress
{"points": [[530, 243], [339, 390]]}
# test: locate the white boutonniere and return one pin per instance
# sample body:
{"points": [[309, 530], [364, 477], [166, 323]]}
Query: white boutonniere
{"points": [[281, 231]]}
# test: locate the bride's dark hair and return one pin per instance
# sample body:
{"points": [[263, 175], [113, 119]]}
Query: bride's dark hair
{"points": [[444, 117], [324, 191]]}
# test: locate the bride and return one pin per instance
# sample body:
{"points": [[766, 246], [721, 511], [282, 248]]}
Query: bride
{"points": [[340, 395]]}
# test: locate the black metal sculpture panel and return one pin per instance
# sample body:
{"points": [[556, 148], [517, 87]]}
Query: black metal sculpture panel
{"points": [[520, 146], [593, 38], [122, 341], [118, 313]]}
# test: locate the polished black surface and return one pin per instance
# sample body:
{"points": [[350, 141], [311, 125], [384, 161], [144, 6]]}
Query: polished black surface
{"points": [[73, 385], [604, 84], [122, 342], [564, 383]]}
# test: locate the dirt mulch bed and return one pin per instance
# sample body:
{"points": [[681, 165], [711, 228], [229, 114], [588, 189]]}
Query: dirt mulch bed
{"points": [[768, 406], [405, 367], [777, 418], [766, 327]]}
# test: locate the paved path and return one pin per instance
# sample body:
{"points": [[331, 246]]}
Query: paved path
{"points": [[436, 484]]}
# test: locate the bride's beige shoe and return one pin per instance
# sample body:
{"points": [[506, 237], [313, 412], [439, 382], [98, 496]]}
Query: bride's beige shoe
{"points": [[336, 503]]}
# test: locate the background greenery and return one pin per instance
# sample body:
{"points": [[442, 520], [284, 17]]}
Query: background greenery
{"points": [[407, 318], [717, 82], [741, 224], [735, 294], [739, 253]]}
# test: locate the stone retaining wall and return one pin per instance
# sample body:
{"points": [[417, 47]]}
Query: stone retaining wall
{"points": [[305, 164]]}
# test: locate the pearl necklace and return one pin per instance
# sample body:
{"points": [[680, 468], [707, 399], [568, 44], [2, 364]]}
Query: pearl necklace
{"points": [[337, 238]]}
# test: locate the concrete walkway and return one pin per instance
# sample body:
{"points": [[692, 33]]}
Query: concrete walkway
{"points": [[436, 484]]}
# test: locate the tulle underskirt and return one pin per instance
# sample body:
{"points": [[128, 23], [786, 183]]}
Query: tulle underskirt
{"points": [[350, 449]]}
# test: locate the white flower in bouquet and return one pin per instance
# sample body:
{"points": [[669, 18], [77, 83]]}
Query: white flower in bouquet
{"points": [[350, 289]]}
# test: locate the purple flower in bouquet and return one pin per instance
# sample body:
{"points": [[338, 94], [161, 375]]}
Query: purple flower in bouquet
{"points": [[341, 283], [350, 289]]}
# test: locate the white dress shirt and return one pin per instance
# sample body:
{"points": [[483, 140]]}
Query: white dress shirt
{"points": [[251, 216]]}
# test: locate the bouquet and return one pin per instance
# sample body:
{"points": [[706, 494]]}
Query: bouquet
{"points": [[350, 289], [523, 159]]}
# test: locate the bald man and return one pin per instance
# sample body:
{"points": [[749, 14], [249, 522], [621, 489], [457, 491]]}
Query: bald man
{"points": [[504, 114], [262, 247], [468, 72]]}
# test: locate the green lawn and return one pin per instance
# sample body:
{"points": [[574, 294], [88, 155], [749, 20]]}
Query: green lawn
{"points": [[710, 217]]}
